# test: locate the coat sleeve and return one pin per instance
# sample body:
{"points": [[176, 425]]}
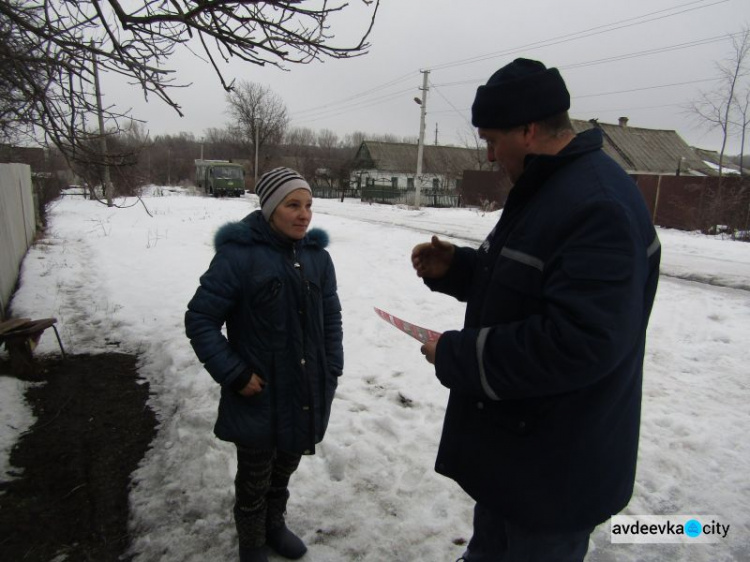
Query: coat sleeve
{"points": [[593, 317], [218, 293], [457, 281], [332, 323]]}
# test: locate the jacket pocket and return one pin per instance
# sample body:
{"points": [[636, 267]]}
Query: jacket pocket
{"points": [[267, 312], [596, 265], [266, 292], [518, 417], [515, 289]]}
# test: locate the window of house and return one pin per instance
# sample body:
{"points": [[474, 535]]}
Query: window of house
{"points": [[394, 183], [435, 183], [409, 183]]}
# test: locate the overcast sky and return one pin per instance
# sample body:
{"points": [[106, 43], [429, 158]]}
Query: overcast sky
{"points": [[644, 59]]}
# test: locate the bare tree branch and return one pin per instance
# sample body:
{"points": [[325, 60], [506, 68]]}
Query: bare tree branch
{"points": [[718, 108], [46, 80]]}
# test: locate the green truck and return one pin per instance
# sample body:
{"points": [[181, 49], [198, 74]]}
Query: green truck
{"points": [[220, 178]]}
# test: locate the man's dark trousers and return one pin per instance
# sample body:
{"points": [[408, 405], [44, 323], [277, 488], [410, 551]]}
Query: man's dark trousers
{"points": [[497, 540]]}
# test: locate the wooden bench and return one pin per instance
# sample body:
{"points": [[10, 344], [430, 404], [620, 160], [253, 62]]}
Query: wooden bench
{"points": [[20, 336]]}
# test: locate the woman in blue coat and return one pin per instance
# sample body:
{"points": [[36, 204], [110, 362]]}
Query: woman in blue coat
{"points": [[274, 287]]}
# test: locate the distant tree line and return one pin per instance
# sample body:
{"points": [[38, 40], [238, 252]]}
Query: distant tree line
{"points": [[170, 159], [258, 119], [54, 50]]}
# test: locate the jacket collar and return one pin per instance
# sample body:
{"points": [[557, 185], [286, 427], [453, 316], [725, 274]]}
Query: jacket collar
{"points": [[540, 167], [255, 229], [583, 143]]}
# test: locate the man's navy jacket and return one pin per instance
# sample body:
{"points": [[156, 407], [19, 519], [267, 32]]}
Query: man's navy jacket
{"points": [[544, 411]]}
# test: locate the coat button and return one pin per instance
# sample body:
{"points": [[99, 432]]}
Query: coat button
{"points": [[305, 408], [302, 361], [480, 405], [522, 425], [306, 452]]}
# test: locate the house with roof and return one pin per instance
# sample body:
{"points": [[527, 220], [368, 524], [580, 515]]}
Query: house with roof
{"points": [[647, 151], [464, 171], [394, 165], [728, 167]]}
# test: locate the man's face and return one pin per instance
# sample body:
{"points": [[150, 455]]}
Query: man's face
{"points": [[507, 147]]}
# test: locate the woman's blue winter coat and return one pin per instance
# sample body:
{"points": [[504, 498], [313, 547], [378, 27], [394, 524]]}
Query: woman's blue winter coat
{"points": [[279, 302]]}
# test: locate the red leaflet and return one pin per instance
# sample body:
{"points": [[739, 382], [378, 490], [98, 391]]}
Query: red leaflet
{"points": [[417, 332]]}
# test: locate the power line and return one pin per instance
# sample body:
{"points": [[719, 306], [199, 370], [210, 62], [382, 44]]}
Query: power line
{"points": [[622, 56], [353, 97], [636, 54], [601, 94], [547, 42], [647, 88], [625, 109], [360, 105], [462, 114], [598, 30], [335, 108]]}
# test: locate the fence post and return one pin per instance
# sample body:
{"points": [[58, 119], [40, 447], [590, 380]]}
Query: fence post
{"points": [[656, 200]]}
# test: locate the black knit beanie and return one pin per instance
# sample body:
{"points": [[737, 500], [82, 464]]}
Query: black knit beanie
{"points": [[519, 93]]}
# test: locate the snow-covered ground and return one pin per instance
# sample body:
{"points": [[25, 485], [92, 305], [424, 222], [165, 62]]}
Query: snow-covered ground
{"points": [[117, 279]]}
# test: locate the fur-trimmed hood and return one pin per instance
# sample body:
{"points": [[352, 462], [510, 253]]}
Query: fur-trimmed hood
{"points": [[254, 229]]}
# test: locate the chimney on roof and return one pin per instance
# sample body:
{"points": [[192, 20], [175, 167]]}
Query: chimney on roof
{"points": [[623, 121]]}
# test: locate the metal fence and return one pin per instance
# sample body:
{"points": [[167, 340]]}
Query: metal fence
{"points": [[17, 225], [389, 195], [708, 204], [384, 194], [439, 198]]}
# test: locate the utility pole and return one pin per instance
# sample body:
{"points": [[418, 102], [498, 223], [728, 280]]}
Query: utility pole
{"points": [[257, 137], [436, 134], [420, 148], [102, 136]]}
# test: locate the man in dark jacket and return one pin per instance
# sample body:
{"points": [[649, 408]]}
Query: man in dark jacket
{"points": [[541, 427]]}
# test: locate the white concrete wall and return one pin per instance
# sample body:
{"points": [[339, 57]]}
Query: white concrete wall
{"points": [[17, 225]]}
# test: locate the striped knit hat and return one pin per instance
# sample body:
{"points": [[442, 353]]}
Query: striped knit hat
{"points": [[273, 186]]}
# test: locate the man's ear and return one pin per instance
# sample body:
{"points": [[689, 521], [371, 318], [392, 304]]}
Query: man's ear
{"points": [[530, 134]]}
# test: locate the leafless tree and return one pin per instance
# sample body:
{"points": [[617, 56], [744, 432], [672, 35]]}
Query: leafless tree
{"points": [[724, 108], [354, 140], [742, 103], [259, 117], [470, 139], [718, 108], [47, 47], [327, 140], [299, 136], [299, 143]]}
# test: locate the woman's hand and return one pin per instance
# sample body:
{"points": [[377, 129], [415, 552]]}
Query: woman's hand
{"points": [[255, 386]]}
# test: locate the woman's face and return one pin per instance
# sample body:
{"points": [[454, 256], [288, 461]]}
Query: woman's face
{"points": [[292, 216]]}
